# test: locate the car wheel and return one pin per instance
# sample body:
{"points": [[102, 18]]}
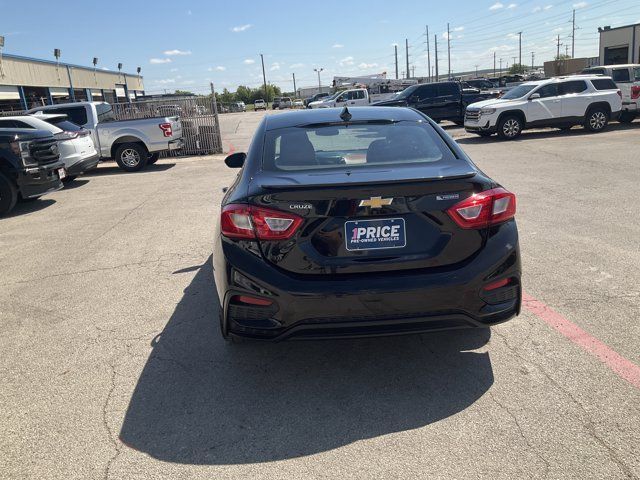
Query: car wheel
{"points": [[510, 127], [596, 119], [152, 158], [8, 195], [69, 179], [627, 117], [131, 157]]}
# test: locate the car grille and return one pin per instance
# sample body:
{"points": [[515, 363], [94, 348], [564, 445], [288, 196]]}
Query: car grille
{"points": [[473, 115], [44, 151]]}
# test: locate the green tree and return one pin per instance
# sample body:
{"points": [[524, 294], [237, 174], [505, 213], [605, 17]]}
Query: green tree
{"points": [[562, 56], [517, 68], [183, 92]]}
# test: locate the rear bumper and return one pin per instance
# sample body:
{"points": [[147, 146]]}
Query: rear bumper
{"points": [[83, 165], [393, 303], [176, 144], [38, 181]]}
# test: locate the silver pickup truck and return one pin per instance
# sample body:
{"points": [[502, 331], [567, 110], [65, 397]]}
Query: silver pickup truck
{"points": [[132, 143]]}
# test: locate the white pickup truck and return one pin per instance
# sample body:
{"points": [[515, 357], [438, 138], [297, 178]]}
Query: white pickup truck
{"points": [[132, 143], [351, 98], [627, 78]]}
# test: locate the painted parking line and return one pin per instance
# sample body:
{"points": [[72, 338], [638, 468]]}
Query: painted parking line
{"points": [[624, 368]]}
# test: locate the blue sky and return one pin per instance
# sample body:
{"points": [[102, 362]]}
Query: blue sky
{"points": [[187, 44]]}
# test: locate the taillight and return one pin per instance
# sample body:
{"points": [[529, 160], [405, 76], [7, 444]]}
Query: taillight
{"points": [[619, 92], [497, 284], [484, 209], [166, 128], [635, 92], [62, 136], [251, 222]]}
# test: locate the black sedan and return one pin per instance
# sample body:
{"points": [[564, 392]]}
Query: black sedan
{"points": [[362, 223]]}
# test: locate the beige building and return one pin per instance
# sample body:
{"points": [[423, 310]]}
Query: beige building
{"points": [[620, 45], [29, 82]]}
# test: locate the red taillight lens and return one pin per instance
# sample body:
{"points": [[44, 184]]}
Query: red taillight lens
{"points": [[619, 92], [248, 300], [166, 128], [497, 284], [484, 209], [250, 222], [635, 92]]}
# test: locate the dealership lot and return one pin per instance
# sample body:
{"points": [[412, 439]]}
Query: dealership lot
{"points": [[112, 366]]}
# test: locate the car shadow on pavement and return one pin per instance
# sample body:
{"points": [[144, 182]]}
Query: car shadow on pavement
{"points": [[78, 182], [30, 206], [550, 133], [202, 401], [111, 168]]}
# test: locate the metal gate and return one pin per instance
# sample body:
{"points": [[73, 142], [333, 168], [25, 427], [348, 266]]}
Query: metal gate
{"points": [[198, 115]]}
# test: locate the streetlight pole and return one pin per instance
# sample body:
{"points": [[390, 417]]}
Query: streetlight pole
{"points": [[318, 70], [264, 79]]}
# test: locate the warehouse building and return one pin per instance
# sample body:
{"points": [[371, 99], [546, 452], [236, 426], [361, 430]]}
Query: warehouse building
{"points": [[29, 82], [620, 45]]}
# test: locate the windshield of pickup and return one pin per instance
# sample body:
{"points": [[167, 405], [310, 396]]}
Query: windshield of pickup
{"points": [[406, 92], [518, 92]]}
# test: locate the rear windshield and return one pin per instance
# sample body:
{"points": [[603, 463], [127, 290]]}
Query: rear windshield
{"points": [[604, 84], [64, 124], [353, 146]]}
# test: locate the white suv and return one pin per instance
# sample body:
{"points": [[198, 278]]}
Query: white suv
{"points": [[561, 102]]}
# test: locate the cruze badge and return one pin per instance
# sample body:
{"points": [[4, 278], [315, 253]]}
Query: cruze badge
{"points": [[376, 202]]}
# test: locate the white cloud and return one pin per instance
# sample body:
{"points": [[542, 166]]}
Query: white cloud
{"points": [[175, 51], [458, 29], [394, 44], [159, 60], [512, 36], [166, 81], [296, 65], [536, 10], [547, 7], [445, 35], [496, 6], [219, 68], [366, 66], [241, 28], [188, 82], [189, 12], [173, 70], [248, 61], [580, 5], [275, 66], [512, 6], [337, 45], [346, 61]]}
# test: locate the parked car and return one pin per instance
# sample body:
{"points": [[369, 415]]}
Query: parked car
{"points": [[413, 238], [276, 103], [259, 105], [297, 103], [480, 84], [315, 98], [356, 97], [440, 100], [132, 143], [285, 102], [561, 102], [75, 146], [30, 165], [627, 78], [237, 107]]}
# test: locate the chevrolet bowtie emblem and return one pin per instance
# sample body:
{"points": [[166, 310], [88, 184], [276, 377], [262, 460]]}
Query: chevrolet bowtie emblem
{"points": [[376, 202]]}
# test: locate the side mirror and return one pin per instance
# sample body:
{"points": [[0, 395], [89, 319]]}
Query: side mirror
{"points": [[235, 160], [534, 96]]}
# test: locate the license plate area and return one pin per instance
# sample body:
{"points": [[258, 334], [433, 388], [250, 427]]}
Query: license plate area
{"points": [[375, 234]]}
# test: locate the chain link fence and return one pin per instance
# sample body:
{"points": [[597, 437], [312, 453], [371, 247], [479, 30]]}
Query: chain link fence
{"points": [[198, 115]]}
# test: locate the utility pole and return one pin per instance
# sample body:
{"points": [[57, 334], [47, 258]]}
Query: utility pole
{"points": [[514, 64], [396, 50], [573, 34], [448, 52], [294, 84], [435, 38], [520, 50], [428, 57], [558, 54], [406, 48], [413, 71], [494, 64], [264, 79], [566, 50], [477, 70], [318, 70], [532, 60], [500, 72]]}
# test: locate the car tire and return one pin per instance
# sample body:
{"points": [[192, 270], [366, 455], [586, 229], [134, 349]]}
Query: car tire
{"points": [[460, 123], [153, 158], [627, 117], [510, 127], [69, 179], [131, 157], [8, 195], [596, 119]]}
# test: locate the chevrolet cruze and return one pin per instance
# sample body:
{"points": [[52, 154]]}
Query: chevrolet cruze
{"points": [[365, 222]]}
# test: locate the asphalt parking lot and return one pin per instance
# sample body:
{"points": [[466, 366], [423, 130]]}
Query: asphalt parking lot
{"points": [[112, 366]]}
